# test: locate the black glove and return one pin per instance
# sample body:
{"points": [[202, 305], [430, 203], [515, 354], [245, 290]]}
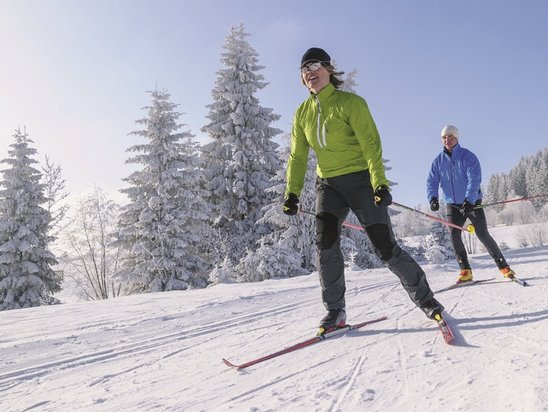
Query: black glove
{"points": [[382, 196], [434, 204], [466, 208], [290, 206]]}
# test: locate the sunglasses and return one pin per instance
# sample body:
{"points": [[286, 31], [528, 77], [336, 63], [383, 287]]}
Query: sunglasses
{"points": [[311, 67]]}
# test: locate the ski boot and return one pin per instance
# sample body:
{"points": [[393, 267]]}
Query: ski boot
{"points": [[507, 272], [465, 275], [335, 319], [432, 309]]}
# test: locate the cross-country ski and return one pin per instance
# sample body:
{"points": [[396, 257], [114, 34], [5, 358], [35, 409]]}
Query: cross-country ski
{"points": [[303, 344], [463, 285]]}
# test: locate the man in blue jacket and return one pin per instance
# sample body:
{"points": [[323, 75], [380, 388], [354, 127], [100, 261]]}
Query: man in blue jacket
{"points": [[457, 170]]}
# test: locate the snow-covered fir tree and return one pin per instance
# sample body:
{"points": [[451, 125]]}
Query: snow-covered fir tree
{"points": [[350, 83], [517, 180], [241, 160], [497, 190], [163, 230], [288, 250], [537, 177], [26, 275], [438, 244], [528, 178]]}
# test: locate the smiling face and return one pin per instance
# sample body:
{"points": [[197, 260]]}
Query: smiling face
{"points": [[315, 76]]}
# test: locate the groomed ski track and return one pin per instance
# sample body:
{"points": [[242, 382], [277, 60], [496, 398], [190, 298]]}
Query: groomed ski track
{"points": [[163, 351]]}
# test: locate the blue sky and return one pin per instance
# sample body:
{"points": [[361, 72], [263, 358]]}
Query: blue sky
{"points": [[75, 73]]}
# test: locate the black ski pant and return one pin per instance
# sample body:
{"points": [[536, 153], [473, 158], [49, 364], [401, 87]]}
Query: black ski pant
{"points": [[477, 217], [335, 197]]}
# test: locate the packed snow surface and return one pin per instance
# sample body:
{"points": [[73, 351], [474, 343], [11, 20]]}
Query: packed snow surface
{"points": [[164, 351]]}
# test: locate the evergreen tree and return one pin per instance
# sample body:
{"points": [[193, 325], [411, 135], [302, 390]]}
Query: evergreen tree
{"points": [[542, 179], [518, 182], [241, 160], [287, 250], [497, 190], [438, 245], [536, 177], [26, 275], [493, 188], [163, 229], [350, 82]]}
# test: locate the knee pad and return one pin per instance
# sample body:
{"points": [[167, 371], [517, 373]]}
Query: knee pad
{"points": [[327, 230]]}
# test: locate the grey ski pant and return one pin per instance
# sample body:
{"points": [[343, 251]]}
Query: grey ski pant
{"points": [[477, 217], [335, 197]]}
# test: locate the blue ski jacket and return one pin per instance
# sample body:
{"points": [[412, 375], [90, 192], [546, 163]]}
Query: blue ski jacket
{"points": [[458, 174]]}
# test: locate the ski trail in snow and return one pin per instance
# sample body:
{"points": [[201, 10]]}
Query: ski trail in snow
{"points": [[351, 378], [402, 357], [142, 346]]}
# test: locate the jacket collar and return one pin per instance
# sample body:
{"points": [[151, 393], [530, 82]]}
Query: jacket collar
{"points": [[325, 92], [455, 150]]}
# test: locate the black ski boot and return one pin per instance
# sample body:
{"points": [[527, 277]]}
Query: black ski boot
{"points": [[335, 318], [432, 308]]}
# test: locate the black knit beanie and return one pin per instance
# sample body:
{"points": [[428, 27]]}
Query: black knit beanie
{"points": [[315, 54]]}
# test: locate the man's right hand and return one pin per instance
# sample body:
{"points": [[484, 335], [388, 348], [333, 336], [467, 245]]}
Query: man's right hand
{"points": [[290, 206], [434, 204]]}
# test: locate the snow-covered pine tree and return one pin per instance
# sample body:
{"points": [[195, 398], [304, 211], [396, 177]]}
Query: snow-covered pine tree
{"points": [[241, 160], [537, 177], [518, 180], [438, 244], [288, 250], [497, 190], [350, 82], [26, 275], [492, 191], [528, 178], [163, 230]]}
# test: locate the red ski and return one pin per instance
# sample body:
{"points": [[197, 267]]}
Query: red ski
{"points": [[303, 344], [445, 330]]}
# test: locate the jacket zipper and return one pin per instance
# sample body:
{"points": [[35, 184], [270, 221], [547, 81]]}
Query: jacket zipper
{"points": [[453, 180], [320, 129]]}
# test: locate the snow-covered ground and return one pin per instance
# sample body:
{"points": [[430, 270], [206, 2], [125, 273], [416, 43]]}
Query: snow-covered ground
{"points": [[163, 351]]}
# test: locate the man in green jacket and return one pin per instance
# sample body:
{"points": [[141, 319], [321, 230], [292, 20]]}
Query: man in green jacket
{"points": [[339, 128]]}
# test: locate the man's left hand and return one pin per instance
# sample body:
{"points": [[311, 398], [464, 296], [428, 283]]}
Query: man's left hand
{"points": [[382, 196], [466, 208]]}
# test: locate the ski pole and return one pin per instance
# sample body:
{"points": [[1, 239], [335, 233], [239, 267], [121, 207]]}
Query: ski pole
{"points": [[511, 200], [469, 228], [346, 224]]}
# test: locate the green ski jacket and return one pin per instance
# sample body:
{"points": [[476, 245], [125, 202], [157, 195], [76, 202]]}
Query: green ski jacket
{"points": [[340, 129]]}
